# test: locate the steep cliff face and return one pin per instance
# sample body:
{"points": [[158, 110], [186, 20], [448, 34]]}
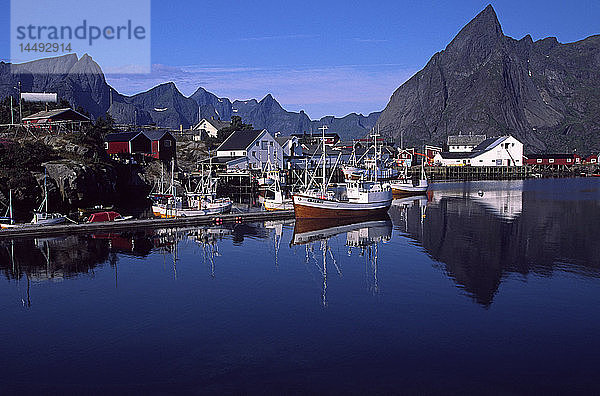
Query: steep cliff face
{"points": [[544, 93]]}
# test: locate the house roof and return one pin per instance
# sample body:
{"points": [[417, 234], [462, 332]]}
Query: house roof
{"points": [[218, 124], [240, 140], [156, 135], [465, 140], [53, 113], [482, 147], [490, 143], [282, 140], [120, 137]]}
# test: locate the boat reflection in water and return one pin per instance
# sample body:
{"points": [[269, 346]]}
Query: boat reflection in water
{"points": [[364, 236], [483, 232]]}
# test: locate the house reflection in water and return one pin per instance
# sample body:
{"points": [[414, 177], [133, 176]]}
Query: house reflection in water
{"points": [[487, 230]]}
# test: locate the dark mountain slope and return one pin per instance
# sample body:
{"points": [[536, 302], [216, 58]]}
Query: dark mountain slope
{"points": [[545, 93]]}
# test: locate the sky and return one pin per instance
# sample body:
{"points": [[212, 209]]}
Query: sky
{"points": [[324, 57]]}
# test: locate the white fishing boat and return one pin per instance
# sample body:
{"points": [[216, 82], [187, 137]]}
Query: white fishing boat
{"points": [[355, 198], [275, 198], [41, 217], [406, 186]]}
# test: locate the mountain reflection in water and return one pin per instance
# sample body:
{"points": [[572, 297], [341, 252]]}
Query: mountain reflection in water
{"points": [[481, 232]]}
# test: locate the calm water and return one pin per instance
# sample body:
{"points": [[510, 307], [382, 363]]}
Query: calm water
{"points": [[487, 287]]}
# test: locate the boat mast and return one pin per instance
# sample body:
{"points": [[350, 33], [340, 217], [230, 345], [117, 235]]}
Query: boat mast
{"points": [[45, 190], [324, 128]]}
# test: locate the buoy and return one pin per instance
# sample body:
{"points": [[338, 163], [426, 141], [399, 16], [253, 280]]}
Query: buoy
{"points": [[480, 193]]}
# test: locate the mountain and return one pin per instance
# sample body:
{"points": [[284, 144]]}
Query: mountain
{"points": [[79, 81], [545, 93], [162, 105], [82, 83]]}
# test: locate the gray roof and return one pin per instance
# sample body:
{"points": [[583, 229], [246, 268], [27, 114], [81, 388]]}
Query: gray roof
{"points": [[120, 137], [282, 140], [52, 113], [240, 140], [156, 135], [465, 140], [490, 143]]}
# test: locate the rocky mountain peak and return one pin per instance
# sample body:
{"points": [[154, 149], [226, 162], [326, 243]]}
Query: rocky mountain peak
{"points": [[483, 32]]}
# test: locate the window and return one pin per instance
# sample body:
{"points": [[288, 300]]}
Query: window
{"points": [[254, 154], [568, 159], [232, 153], [105, 145], [263, 145], [256, 144], [551, 160], [271, 144], [167, 143], [539, 160]]}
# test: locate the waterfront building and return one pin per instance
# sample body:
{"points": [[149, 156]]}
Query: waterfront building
{"points": [[496, 151], [250, 149], [154, 144], [553, 159]]}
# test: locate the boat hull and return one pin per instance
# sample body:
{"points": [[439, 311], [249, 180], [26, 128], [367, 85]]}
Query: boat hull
{"points": [[309, 207]]}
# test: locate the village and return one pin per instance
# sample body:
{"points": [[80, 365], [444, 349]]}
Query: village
{"points": [[252, 152], [205, 169]]}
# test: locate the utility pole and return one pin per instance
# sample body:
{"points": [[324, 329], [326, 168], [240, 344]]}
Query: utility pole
{"points": [[12, 117], [20, 107]]}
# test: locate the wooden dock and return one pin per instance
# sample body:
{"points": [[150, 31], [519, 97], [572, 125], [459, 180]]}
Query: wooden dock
{"points": [[116, 226]]}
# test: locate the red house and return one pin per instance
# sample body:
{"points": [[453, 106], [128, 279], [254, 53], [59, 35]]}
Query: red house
{"points": [[552, 159], [592, 159], [162, 144], [127, 143], [155, 144]]}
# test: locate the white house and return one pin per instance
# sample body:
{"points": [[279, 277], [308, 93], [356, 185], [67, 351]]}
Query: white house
{"points": [[290, 146], [209, 127], [464, 143], [250, 149], [496, 151]]}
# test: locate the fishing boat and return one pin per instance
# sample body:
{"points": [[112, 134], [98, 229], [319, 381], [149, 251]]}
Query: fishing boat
{"points": [[372, 167], [41, 217], [200, 202], [406, 186], [7, 220], [355, 198], [275, 198]]}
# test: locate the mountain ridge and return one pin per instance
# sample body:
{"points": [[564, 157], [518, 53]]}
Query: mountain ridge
{"points": [[82, 82]]}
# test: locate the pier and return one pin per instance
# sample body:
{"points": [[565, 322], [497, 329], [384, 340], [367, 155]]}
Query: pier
{"points": [[115, 226]]}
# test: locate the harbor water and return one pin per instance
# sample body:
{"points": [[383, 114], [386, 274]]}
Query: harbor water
{"points": [[478, 288]]}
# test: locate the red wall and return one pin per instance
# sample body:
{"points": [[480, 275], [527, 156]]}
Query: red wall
{"points": [[118, 147]]}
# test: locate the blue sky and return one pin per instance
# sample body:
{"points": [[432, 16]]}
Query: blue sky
{"points": [[326, 57]]}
